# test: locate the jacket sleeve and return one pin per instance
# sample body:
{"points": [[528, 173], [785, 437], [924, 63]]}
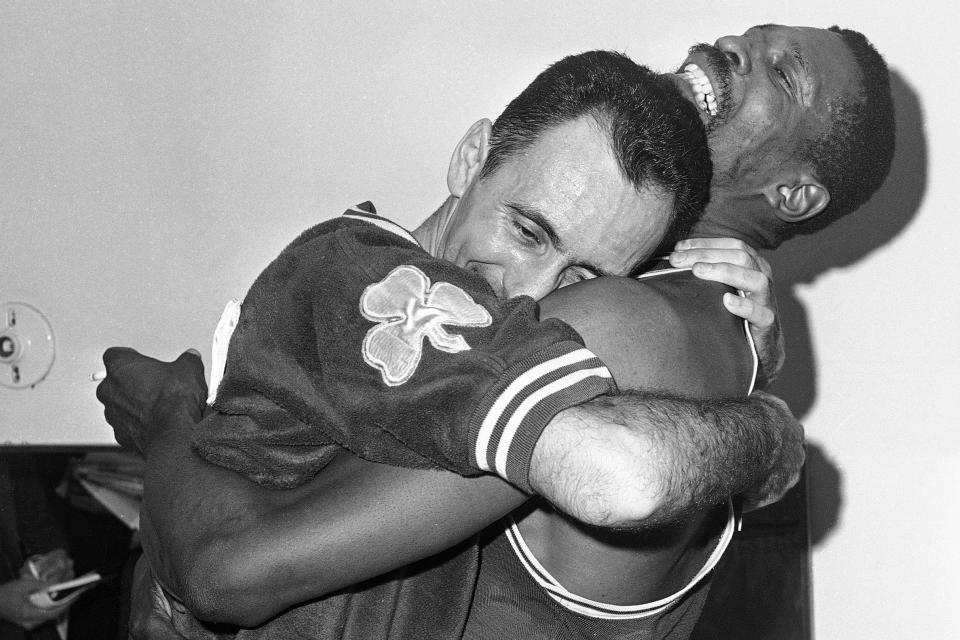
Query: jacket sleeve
{"points": [[360, 339]]}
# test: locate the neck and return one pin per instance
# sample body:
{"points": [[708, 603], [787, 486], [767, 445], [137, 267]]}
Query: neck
{"points": [[432, 231], [732, 215]]}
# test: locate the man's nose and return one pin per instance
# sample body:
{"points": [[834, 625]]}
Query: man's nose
{"points": [[532, 281], [737, 50]]}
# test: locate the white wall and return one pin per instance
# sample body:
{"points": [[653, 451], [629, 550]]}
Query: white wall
{"points": [[153, 157]]}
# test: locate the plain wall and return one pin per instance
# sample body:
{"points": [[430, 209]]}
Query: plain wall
{"points": [[156, 155]]}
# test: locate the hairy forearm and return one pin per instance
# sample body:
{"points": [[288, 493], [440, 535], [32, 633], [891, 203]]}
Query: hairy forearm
{"points": [[642, 459]]}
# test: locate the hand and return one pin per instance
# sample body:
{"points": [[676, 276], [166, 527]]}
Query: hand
{"points": [[16, 607], [53, 566], [141, 395], [738, 265], [154, 616], [787, 462]]}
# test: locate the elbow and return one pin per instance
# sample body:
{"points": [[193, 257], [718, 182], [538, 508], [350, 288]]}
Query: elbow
{"points": [[626, 500], [632, 486], [222, 588]]}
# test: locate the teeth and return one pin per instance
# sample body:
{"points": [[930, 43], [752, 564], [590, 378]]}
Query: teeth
{"points": [[705, 96]]}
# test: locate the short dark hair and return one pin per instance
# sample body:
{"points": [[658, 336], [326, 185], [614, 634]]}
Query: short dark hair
{"points": [[654, 132], [853, 156]]}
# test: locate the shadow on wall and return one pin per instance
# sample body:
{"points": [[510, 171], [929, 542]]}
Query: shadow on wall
{"points": [[824, 494], [803, 259]]}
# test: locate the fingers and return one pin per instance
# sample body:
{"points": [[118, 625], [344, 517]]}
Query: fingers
{"points": [[746, 279], [737, 257], [191, 358], [711, 243], [756, 307], [758, 315], [730, 250], [787, 465], [117, 358], [740, 270], [114, 356], [54, 566], [194, 365]]}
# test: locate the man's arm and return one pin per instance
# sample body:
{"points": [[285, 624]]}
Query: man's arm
{"points": [[668, 454], [645, 459], [204, 521], [236, 552]]}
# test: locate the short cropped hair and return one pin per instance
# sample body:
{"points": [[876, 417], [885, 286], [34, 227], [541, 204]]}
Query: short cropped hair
{"points": [[654, 132], [853, 156]]}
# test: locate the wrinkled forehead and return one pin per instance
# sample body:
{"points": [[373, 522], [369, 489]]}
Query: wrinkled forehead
{"points": [[614, 237]]}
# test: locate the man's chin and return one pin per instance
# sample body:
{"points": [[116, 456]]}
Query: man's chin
{"points": [[713, 124]]}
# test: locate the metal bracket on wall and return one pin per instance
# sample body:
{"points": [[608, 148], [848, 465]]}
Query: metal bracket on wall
{"points": [[27, 347]]}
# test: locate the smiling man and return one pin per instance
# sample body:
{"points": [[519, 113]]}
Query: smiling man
{"points": [[800, 126], [587, 170], [653, 575]]}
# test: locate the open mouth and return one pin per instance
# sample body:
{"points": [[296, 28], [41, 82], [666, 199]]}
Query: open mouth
{"points": [[708, 73], [704, 94]]}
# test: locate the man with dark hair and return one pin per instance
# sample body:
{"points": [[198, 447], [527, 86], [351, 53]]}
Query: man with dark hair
{"points": [[855, 153], [286, 405], [778, 87], [766, 99], [610, 88], [788, 137]]}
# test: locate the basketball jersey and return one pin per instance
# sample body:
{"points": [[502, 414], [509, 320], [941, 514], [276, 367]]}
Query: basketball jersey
{"points": [[517, 598]]}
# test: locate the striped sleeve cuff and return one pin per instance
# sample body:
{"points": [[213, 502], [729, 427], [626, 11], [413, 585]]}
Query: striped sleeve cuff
{"points": [[508, 422]]}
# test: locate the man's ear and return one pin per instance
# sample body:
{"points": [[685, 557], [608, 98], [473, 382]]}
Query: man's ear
{"points": [[799, 201], [468, 157]]}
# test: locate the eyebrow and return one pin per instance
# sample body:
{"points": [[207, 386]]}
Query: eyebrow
{"points": [[795, 51], [537, 216], [807, 80], [798, 56]]}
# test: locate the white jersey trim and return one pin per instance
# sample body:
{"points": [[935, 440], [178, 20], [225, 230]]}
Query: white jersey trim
{"points": [[513, 424], [601, 610], [523, 382], [383, 223], [221, 341]]}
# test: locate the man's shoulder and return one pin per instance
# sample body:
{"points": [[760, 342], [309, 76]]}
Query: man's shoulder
{"points": [[670, 332], [687, 296], [670, 305]]}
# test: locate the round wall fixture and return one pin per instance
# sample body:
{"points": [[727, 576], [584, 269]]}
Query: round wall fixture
{"points": [[27, 348]]}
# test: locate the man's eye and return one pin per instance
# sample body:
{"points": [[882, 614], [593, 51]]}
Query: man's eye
{"points": [[783, 77], [526, 233]]}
